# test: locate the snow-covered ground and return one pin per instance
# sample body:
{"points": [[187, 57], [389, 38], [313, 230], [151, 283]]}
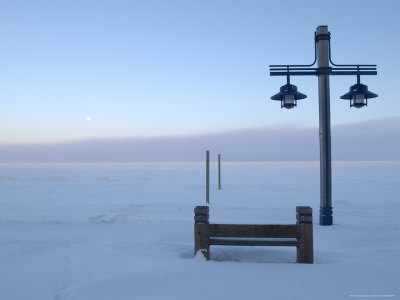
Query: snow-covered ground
{"points": [[125, 231]]}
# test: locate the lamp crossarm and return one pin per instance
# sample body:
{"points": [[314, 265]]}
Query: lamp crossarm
{"points": [[322, 71], [338, 69], [340, 65]]}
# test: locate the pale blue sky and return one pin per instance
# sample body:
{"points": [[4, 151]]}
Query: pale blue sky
{"points": [[150, 68]]}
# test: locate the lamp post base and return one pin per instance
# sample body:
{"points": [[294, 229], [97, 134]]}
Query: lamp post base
{"points": [[325, 216]]}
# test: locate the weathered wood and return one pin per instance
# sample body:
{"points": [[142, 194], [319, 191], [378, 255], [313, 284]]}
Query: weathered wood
{"points": [[304, 214], [201, 210], [201, 218], [201, 214], [304, 220], [303, 210], [299, 235], [253, 242], [253, 231], [305, 250], [201, 239]]}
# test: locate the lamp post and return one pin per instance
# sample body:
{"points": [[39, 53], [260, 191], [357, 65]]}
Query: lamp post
{"points": [[358, 96]]}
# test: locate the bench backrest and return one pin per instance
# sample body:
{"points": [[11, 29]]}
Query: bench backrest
{"points": [[253, 231]]}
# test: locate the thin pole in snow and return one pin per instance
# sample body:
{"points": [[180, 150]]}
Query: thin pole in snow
{"points": [[219, 171], [208, 177]]}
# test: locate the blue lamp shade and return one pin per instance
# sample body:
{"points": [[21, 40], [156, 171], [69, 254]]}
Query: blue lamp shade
{"points": [[288, 96], [358, 95]]}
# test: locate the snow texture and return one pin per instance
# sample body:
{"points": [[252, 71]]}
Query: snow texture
{"points": [[125, 231]]}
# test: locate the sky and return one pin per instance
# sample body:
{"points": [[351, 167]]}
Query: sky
{"points": [[83, 70]]}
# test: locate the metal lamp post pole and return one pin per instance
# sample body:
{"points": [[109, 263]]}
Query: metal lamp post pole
{"points": [[322, 39]]}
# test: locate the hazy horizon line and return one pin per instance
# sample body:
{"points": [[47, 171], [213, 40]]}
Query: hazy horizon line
{"points": [[201, 162], [282, 126], [377, 139]]}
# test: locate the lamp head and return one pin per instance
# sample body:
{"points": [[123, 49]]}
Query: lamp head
{"points": [[358, 95], [288, 96]]}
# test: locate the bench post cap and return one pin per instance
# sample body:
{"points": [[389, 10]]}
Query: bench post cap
{"points": [[304, 215], [304, 210], [201, 214], [201, 210]]}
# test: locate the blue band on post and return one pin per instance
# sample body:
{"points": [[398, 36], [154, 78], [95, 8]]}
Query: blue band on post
{"points": [[201, 222], [201, 215], [305, 222], [326, 211]]}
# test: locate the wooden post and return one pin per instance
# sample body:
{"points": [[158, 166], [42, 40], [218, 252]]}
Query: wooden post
{"points": [[208, 177], [219, 171], [201, 219], [305, 250]]}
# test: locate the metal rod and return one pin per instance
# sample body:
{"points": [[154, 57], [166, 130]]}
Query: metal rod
{"points": [[310, 65], [356, 68], [316, 73], [289, 68], [353, 73], [208, 177], [287, 76], [316, 40], [292, 73], [316, 69], [330, 59]]}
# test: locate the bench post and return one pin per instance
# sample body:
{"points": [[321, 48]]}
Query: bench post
{"points": [[201, 219], [305, 250]]}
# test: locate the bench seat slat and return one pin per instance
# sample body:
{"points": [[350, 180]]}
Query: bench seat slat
{"points": [[253, 242], [253, 231]]}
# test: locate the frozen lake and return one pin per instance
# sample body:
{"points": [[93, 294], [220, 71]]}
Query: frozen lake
{"points": [[125, 231]]}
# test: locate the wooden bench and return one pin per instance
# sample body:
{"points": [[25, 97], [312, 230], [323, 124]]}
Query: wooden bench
{"points": [[299, 235]]}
